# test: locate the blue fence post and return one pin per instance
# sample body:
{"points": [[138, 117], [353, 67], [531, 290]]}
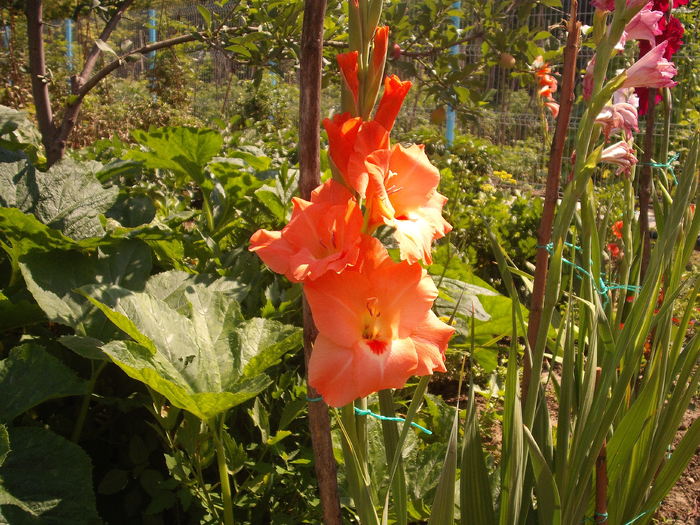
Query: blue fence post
{"points": [[151, 36], [6, 36], [450, 114], [69, 44]]}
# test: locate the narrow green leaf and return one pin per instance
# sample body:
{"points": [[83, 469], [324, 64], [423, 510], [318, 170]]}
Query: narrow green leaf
{"points": [[548, 501], [475, 487], [443, 509]]}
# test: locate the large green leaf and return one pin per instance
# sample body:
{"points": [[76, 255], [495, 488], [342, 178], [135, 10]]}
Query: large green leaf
{"points": [[192, 344], [182, 150], [67, 197], [26, 234], [29, 376], [18, 313], [45, 480], [4, 444], [52, 278]]}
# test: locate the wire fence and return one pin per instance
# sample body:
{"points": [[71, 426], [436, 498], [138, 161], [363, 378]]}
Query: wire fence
{"points": [[514, 117]]}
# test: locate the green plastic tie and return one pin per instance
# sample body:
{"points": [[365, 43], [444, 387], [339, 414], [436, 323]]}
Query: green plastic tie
{"points": [[601, 286], [668, 165]]}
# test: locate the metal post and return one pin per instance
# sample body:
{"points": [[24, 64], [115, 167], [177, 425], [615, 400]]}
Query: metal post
{"points": [[6, 36], [69, 44], [451, 115], [151, 36]]}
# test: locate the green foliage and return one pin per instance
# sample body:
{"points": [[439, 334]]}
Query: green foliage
{"points": [[45, 478], [29, 376], [67, 197], [192, 345]]}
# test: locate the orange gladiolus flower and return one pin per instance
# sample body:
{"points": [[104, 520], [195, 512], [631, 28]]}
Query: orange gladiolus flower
{"points": [[405, 197], [376, 328], [322, 236], [381, 44], [348, 68], [614, 250], [394, 92], [350, 142]]}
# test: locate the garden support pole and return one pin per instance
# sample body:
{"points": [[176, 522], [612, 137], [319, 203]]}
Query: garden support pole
{"points": [[451, 114], [309, 178], [544, 235], [645, 183]]}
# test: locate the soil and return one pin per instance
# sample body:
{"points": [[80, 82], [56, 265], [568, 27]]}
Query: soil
{"points": [[682, 504]]}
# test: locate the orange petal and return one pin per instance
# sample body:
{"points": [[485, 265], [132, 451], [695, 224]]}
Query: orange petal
{"points": [[381, 43], [431, 338], [394, 92], [349, 68]]}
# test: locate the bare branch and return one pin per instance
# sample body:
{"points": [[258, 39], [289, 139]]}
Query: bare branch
{"points": [[91, 59], [475, 35], [116, 63]]}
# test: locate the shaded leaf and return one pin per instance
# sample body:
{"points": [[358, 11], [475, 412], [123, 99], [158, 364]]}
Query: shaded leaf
{"points": [[29, 376], [47, 476], [53, 277]]}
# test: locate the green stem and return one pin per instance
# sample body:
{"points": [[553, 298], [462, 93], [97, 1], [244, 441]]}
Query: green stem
{"points": [[217, 431], [208, 214], [85, 405]]}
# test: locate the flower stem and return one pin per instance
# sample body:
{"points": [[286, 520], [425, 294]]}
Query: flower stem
{"points": [[85, 405], [217, 431]]}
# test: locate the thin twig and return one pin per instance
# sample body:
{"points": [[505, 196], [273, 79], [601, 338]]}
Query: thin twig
{"points": [[93, 55]]}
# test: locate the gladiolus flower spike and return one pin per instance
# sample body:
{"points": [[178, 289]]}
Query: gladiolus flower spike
{"points": [[374, 318]]}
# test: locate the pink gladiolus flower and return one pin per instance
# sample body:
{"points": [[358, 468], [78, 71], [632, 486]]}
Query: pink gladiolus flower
{"points": [[626, 95], [622, 116], [404, 196], [620, 154], [553, 107], [652, 70], [322, 236], [643, 26], [604, 5], [376, 327]]}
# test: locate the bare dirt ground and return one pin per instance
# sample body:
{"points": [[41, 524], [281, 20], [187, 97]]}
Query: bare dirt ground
{"points": [[682, 505]]}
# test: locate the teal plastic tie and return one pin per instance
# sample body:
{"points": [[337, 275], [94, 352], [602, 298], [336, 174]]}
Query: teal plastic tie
{"points": [[668, 165], [314, 399], [602, 287], [361, 412]]}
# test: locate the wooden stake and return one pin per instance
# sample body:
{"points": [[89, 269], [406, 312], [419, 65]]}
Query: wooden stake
{"points": [[544, 234], [601, 476], [309, 178]]}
